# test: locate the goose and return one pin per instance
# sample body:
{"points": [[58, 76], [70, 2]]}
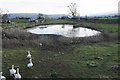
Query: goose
{"points": [[17, 75], [2, 77], [29, 55], [30, 65], [12, 71]]}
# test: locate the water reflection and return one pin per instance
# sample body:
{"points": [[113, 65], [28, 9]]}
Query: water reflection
{"points": [[64, 30], [63, 26]]}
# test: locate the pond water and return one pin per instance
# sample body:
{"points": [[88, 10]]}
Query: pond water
{"points": [[64, 30]]}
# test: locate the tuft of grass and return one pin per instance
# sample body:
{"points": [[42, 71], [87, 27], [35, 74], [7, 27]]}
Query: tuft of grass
{"points": [[53, 74]]}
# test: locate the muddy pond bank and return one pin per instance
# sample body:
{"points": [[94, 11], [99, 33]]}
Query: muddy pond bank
{"points": [[16, 38]]}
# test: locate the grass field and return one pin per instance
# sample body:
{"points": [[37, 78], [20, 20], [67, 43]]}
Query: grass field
{"points": [[109, 18], [18, 22], [112, 27], [70, 63], [58, 21]]}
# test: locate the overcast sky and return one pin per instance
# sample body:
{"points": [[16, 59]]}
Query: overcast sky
{"points": [[85, 7]]}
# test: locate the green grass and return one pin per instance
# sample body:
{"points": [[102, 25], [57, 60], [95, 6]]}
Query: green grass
{"points": [[113, 27], [20, 20], [22, 23], [5, 24], [58, 21], [99, 50], [69, 63], [72, 63], [48, 21], [16, 24]]}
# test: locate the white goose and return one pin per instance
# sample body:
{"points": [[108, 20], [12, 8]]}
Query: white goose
{"points": [[17, 75], [12, 71], [29, 55], [30, 65], [2, 77]]}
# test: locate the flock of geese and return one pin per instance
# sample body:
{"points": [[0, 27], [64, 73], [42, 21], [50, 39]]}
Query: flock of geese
{"points": [[15, 73]]}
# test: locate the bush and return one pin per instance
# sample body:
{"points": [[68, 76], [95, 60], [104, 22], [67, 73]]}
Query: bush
{"points": [[75, 18], [53, 74]]}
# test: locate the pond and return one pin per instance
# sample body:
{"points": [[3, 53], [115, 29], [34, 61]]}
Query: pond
{"points": [[64, 30]]}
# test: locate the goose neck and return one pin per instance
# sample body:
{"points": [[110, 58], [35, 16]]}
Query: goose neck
{"points": [[30, 60], [0, 73], [12, 66], [28, 52], [17, 70]]}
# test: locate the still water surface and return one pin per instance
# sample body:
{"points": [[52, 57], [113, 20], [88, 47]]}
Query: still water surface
{"points": [[64, 30]]}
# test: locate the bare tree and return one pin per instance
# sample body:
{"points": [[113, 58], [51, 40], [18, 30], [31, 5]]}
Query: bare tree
{"points": [[3, 15], [73, 10], [1, 11], [40, 16]]}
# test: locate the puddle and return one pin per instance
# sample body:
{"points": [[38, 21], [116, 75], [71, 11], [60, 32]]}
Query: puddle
{"points": [[64, 30]]}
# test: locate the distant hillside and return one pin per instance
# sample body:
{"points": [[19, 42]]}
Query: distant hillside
{"points": [[28, 15], [55, 16], [35, 15], [113, 13]]}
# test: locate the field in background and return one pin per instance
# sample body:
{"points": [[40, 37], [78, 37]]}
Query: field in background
{"points": [[109, 18]]}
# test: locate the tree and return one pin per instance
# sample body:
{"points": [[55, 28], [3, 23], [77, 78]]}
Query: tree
{"points": [[4, 15], [5, 18], [64, 17], [73, 10], [1, 11], [40, 16]]}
